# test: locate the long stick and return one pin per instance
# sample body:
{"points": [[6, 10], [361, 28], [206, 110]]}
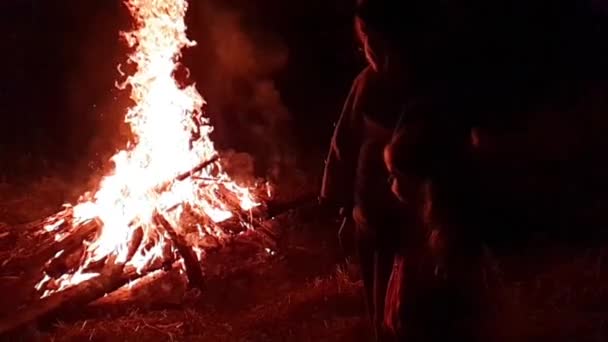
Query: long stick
{"points": [[193, 268], [198, 168], [182, 176]]}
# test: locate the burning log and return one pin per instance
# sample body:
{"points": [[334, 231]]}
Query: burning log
{"points": [[68, 244], [110, 279], [34, 227], [65, 263], [197, 169], [70, 259], [159, 288], [185, 175], [112, 276], [193, 268], [99, 266]]}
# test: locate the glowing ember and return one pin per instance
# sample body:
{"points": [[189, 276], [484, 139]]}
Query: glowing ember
{"points": [[54, 226], [171, 137]]}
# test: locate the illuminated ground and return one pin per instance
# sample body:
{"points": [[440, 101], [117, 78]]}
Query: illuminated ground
{"points": [[304, 293]]}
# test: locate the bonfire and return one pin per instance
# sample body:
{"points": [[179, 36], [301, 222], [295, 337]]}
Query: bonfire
{"points": [[167, 200]]}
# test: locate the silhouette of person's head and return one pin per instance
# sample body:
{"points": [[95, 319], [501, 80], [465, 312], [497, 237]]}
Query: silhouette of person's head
{"points": [[377, 27], [390, 29]]}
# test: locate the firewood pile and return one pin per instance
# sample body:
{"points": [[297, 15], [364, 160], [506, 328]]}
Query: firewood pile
{"points": [[55, 252]]}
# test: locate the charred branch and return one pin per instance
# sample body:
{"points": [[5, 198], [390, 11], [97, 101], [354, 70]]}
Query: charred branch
{"points": [[66, 263], [190, 173], [193, 268], [197, 169]]}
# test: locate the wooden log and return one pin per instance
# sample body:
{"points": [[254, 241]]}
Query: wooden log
{"points": [[193, 267], [185, 175], [66, 263], [68, 244], [166, 286], [72, 297], [111, 279], [200, 167], [36, 227], [98, 266]]}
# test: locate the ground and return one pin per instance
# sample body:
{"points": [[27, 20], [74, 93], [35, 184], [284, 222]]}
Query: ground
{"points": [[306, 291], [299, 295]]}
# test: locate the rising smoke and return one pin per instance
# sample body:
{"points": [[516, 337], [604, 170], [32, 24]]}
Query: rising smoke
{"points": [[234, 65]]}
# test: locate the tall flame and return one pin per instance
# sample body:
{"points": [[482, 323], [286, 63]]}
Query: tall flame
{"points": [[171, 136]]}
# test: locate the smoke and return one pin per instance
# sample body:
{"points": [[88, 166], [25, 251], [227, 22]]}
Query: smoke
{"points": [[236, 62]]}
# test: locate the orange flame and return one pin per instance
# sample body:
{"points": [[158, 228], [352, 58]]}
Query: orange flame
{"points": [[171, 137]]}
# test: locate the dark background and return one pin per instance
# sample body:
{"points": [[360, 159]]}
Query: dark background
{"points": [[265, 67], [275, 74]]}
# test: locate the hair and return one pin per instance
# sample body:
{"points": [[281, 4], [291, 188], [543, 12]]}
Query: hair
{"points": [[408, 26], [378, 16]]}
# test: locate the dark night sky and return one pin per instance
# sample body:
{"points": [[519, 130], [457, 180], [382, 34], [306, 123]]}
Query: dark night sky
{"points": [[58, 65]]}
